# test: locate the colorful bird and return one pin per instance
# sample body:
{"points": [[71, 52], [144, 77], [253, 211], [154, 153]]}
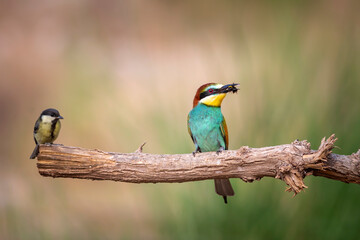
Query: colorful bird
{"points": [[46, 129], [207, 126]]}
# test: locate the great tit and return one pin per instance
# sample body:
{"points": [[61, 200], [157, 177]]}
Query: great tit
{"points": [[46, 129]]}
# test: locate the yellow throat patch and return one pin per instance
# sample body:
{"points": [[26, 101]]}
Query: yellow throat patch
{"points": [[213, 100]]}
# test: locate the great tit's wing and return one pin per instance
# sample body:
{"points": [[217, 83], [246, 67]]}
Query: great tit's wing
{"points": [[36, 128], [35, 152]]}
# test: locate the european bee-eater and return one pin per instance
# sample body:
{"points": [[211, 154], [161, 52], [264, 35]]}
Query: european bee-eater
{"points": [[207, 126], [46, 129]]}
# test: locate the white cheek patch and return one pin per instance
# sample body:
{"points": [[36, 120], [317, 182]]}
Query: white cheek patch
{"points": [[47, 119]]}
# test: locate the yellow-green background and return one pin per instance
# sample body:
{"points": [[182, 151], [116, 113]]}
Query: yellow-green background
{"points": [[125, 72]]}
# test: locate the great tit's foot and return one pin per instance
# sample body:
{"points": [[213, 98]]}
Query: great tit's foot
{"points": [[220, 150]]}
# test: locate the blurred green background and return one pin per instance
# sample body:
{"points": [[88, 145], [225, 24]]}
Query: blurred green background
{"points": [[125, 72]]}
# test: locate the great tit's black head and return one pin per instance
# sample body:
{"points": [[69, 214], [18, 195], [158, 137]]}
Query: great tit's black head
{"points": [[51, 112]]}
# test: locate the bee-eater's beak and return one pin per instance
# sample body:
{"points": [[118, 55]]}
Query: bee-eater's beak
{"points": [[229, 88], [60, 117]]}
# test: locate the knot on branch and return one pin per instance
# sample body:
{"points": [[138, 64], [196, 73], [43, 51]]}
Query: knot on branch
{"points": [[297, 143], [250, 179], [293, 172], [293, 176]]}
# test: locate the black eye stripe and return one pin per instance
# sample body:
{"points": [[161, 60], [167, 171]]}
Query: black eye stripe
{"points": [[207, 93]]}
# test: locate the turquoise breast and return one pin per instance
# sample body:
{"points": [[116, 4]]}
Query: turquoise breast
{"points": [[204, 123]]}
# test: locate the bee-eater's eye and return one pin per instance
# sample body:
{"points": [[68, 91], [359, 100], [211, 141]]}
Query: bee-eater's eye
{"points": [[211, 90]]}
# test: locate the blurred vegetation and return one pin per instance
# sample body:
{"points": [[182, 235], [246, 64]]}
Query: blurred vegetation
{"points": [[125, 72]]}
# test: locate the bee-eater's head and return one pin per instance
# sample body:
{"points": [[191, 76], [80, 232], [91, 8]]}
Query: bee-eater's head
{"points": [[212, 94]]}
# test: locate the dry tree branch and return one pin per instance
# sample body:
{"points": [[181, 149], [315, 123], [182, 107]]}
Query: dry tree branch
{"points": [[288, 162]]}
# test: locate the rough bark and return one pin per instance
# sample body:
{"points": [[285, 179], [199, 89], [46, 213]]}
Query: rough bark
{"points": [[289, 162]]}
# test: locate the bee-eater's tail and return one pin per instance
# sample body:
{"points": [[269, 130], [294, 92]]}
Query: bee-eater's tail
{"points": [[35, 152], [223, 188]]}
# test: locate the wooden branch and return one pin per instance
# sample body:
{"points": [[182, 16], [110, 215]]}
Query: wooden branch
{"points": [[289, 162]]}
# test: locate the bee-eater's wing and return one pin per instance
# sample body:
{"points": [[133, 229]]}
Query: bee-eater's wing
{"points": [[224, 133], [189, 130]]}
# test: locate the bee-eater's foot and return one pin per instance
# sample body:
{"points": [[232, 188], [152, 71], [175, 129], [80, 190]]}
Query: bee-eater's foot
{"points": [[196, 151], [220, 150]]}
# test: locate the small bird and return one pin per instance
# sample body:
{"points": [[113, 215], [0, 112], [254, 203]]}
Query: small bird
{"points": [[46, 129], [207, 126]]}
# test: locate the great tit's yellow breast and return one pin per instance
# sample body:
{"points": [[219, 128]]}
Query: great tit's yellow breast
{"points": [[46, 133], [213, 100], [57, 130]]}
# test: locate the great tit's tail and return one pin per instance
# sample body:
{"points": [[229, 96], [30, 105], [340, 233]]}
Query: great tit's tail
{"points": [[223, 188], [35, 152]]}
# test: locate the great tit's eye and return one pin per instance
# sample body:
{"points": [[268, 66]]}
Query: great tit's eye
{"points": [[53, 114], [211, 90]]}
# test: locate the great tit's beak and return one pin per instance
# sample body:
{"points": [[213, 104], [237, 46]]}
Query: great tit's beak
{"points": [[229, 88], [60, 117]]}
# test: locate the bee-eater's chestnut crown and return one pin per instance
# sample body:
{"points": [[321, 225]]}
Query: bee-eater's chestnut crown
{"points": [[212, 94]]}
